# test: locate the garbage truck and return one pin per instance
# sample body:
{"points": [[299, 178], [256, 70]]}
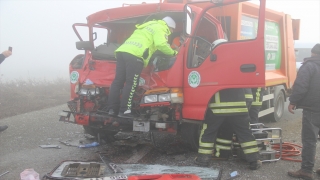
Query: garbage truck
{"points": [[174, 92]]}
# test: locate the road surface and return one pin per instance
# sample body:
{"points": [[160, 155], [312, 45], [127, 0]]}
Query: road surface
{"points": [[19, 148]]}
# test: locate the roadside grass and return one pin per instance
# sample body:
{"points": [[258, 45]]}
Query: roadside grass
{"points": [[22, 96]]}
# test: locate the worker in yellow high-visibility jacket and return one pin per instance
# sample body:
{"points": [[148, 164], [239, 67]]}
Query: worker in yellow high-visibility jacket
{"points": [[132, 56]]}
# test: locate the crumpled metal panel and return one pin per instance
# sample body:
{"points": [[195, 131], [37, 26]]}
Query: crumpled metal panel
{"points": [[83, 169]]}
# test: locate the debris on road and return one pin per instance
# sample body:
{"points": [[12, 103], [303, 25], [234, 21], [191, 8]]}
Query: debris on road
{"points": [[77, 169], [4, 173], [202, 172], [139, 155], [83, 170], [233, 175], [93, 144], [127, 139], [115, 168], [29, 174], [80, 169], [68, 144], [50, 146]]}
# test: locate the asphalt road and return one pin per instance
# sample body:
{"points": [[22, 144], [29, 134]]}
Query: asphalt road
{"points": [[19, 147]]}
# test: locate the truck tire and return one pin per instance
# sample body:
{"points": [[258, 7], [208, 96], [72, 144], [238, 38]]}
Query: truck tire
{"points": [[189, 134], [108, 136], [278, 103]]}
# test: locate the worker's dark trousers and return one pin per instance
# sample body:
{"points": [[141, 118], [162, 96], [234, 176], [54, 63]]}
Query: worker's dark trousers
{"points": [[225, 133], [239, 124], [248, 103], [309, 133], [128, 72], [253, 113]]}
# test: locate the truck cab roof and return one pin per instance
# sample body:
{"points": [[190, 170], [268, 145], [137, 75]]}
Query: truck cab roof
{"points": [[136, 14]]}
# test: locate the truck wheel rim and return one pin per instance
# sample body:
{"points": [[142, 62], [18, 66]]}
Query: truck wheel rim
{"points": [[279, 106]]}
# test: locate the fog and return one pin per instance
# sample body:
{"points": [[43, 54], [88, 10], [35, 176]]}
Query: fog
{"points": [[40, 32]]}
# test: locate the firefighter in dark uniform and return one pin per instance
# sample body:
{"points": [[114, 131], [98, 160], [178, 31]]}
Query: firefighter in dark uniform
{"points": [[223, 148], [228, 105]]}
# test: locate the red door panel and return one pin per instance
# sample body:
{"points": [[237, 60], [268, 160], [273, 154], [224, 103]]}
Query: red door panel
{"points": [[226, 70]]}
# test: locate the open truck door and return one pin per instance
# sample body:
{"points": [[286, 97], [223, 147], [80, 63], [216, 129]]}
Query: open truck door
{"points": [[216, 61]]}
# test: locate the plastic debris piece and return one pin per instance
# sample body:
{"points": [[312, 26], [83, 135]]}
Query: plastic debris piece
{"points": [[234, 174], [29, 174], [89, 145]]}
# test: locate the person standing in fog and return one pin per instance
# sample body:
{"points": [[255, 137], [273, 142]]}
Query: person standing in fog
{"points": [[306, 96], [3, 56]]}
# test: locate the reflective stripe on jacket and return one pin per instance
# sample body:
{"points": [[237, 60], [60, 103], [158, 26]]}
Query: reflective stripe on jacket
{"points": [[229, 102], [146, 39], [257, 96]]}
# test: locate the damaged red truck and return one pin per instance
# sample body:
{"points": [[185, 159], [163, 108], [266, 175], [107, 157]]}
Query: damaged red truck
{"points": [[174, 92]]}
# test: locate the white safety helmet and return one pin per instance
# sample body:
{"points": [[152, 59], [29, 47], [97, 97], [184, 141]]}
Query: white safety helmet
{"points": [[170, 22], [218, 41]]}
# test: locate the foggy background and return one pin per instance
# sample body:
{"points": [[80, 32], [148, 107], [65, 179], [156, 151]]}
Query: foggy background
{"points": [[40, 32]]}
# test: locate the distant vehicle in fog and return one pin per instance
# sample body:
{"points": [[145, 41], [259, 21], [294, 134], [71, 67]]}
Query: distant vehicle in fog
{"points": [[301, 53], [302, 50]]}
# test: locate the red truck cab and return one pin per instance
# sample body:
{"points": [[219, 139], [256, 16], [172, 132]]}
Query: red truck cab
{"points": [[174, 92]]}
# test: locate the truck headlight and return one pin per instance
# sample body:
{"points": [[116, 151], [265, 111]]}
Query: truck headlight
{"points": [[150, 99], [164, 97], [94, 91], [89, 91], [83, 91]]}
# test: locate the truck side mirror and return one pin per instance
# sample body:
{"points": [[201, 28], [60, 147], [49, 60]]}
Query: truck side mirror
{"points": [[84, 45]]}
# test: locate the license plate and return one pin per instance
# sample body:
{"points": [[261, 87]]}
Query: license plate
{"points": [[142, 126]]}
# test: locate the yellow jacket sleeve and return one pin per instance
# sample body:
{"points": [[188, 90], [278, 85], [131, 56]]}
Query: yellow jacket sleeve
{"points": [[160, 39]]}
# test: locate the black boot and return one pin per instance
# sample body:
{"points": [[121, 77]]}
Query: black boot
{"points": [[255, 165], [203, 159]]}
